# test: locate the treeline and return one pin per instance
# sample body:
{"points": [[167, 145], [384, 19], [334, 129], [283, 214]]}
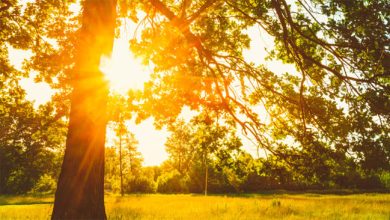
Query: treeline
{"points": [[203, 152], [255, 178], [201, 148], [165, 179]]}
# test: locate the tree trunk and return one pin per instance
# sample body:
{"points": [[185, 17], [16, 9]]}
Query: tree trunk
{"points": [[120, 159], [80, 189], [206, 175]]}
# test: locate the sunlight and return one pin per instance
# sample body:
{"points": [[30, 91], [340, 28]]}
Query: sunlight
{"points": [[122, 69]]}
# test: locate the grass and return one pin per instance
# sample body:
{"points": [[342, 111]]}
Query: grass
{"points": [[255, 206]]}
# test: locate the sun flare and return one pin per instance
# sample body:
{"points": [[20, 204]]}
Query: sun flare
{"points": [[122, 69]]}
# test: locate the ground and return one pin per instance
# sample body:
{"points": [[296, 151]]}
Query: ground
{"points": [[253, 206]]}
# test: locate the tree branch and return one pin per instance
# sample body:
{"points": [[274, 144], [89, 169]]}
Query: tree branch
{"points": [[7, 5]]}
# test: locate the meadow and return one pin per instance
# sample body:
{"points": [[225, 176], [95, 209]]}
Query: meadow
{"points": [[253, 206]]}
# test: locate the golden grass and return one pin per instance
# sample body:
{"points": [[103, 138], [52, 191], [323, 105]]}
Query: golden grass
{"points": [[301, 206]]}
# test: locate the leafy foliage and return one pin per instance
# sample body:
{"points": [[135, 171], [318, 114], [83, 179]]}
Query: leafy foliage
{"points": [[334, 102], [31, 142]]}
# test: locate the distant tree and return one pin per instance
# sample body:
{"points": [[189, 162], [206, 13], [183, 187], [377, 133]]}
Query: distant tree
{"points": [[124, 164], [31, 140], [179, 147], [111, 170], [197, 144], [125, 142], [134, 157]]}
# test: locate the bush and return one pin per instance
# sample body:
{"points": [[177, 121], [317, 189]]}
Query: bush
{"points": [[45, 184], [172, 182], [139, 184], [385, 179], [257, 183]]}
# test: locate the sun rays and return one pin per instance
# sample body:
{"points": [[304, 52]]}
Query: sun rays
{"points": [[122, 69]]}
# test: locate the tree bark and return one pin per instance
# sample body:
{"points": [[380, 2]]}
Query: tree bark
{"points": [[80, 189], [120, 158], [206, 175]]}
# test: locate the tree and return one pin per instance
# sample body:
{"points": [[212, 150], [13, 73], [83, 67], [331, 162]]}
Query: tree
{"points": [[179, 147], [194, 148], [120, 130], [335, 99], [124, 161], [31, 137], [119, 112], [80, 191], [30, 140]]}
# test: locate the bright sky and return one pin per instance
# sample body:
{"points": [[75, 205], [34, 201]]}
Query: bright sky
{"points": [[124, 72]]}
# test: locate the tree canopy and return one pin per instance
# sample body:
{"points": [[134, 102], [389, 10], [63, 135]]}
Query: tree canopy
{"points": [[337, 97]]}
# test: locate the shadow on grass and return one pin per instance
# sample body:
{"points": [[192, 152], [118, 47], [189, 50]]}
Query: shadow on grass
{"points": [[309, 193], [24, 203], [26, 199]]}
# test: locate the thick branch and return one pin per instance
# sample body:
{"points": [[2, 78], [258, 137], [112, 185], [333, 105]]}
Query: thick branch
{"points": [[7, 5]]}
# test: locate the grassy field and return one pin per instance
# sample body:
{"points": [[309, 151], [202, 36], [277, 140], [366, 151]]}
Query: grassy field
{"points": [[273, 206]]}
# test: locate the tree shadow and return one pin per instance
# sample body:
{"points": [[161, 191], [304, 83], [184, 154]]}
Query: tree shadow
{"points": [[24, 200], [308, 193], [25, 203]]}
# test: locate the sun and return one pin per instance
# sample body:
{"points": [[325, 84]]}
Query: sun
{"points": [[122, 69]]}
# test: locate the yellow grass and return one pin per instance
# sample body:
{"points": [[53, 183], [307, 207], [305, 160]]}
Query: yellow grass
{"points": [[302, 206]]}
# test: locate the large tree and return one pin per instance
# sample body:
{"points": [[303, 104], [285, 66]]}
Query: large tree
{"points": [[80, 191], [341, 74]]}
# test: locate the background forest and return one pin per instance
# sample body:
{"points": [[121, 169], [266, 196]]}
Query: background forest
{"points": [[328, 120], [33, 143]]}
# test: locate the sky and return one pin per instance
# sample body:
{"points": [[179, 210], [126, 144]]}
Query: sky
{"points": [[124, 72]]}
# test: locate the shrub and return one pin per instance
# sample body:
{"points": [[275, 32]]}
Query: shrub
{"points": [[385, 179], [172, 182], [45, 184], [139, 184]]}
